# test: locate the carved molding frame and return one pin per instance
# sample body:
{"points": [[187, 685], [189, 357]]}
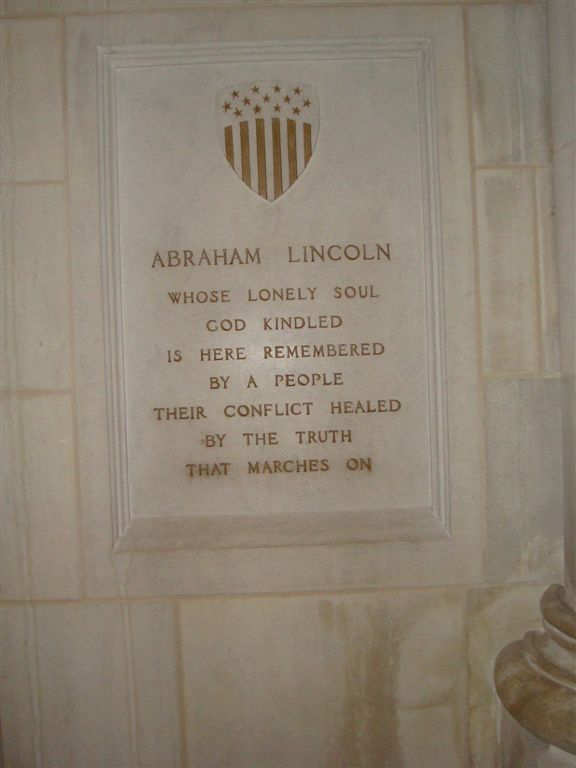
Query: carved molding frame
{"points": [[295, 529]]}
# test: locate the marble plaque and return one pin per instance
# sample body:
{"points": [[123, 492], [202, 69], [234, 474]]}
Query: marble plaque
{"points": [[274, 293]]}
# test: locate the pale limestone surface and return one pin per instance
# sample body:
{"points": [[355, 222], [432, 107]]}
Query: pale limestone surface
{"points": [[23, 8], [94, 685], [19, 8], [357, 676], [564, 164], [35, 288], [32, 89], [524, 480], [342, 672], [547, 269], [264, 668], [565, 169], [40, 541], [561, 21], [509, 80], [507, 271], [19, 691], [562, 36]]}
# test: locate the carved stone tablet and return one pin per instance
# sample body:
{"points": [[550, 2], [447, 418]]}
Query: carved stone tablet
{"points": [[274, 293]]}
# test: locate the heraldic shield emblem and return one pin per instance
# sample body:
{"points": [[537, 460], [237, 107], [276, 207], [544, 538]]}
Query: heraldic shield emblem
{"points": [[268, 130]]}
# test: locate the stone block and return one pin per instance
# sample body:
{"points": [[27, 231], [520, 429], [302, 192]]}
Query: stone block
{"points": [[508, 57], [36, 325], [32, 120], [524, 480], [92, 685], [40, 542], [325, 681], [508, 286]]}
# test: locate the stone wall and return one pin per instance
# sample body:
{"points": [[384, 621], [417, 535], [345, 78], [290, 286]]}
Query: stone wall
{"points": [[112, 663]]}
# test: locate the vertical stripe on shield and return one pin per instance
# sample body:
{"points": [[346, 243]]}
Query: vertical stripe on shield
{"points": [[229, 144], [307, 143], [245, 152], [292, 157], [261, 157], [277, 157]]}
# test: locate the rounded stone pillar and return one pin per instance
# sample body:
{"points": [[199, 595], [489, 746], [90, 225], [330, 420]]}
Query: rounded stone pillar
{"points": [[536, 676]]}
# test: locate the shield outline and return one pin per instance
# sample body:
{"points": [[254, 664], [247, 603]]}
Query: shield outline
{"points": [[268, 150]]}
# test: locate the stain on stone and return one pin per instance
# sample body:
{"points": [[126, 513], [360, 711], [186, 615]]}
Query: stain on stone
{"points": [[369, 734], [326, 613]]}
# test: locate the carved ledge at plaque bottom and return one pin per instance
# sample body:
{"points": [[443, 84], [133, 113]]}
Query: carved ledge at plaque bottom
{"points": [[536, 676], [280, 530]]}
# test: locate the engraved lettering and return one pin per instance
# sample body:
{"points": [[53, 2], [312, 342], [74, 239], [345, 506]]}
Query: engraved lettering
{"points": [[180, 413], [219, 469], [205, 257], [364, 406], [213, 441], [226, 325], [364, 349], [260, 438], [310, 254], [263, 410], [282, 294], [355, 292], [219, 354], [313, 437], [298, 323], [199, 297], [287, 466], [219, 382], [308, 379], [361, 465]]}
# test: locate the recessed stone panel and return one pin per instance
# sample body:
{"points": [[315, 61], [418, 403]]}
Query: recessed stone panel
{"points": [[274, 292]]}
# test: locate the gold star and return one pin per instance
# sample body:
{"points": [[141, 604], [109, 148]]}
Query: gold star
{"points": [[277, 89], [238, 112], [266, 97], [296, 110], [255, 89], [245, 100], [306, 102], [297, 91], [257, 109], [277, 108], [235, 94], [287, 99]]}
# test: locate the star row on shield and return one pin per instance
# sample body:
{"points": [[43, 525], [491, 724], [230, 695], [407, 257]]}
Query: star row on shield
{"points": [[238, 103]]}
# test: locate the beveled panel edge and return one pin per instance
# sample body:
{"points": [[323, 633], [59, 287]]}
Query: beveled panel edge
{"points": [[280, 530], [112, 301]]}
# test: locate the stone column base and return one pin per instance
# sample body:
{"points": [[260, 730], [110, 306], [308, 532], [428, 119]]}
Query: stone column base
{"points": [[520, 749], [536, 677]]}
